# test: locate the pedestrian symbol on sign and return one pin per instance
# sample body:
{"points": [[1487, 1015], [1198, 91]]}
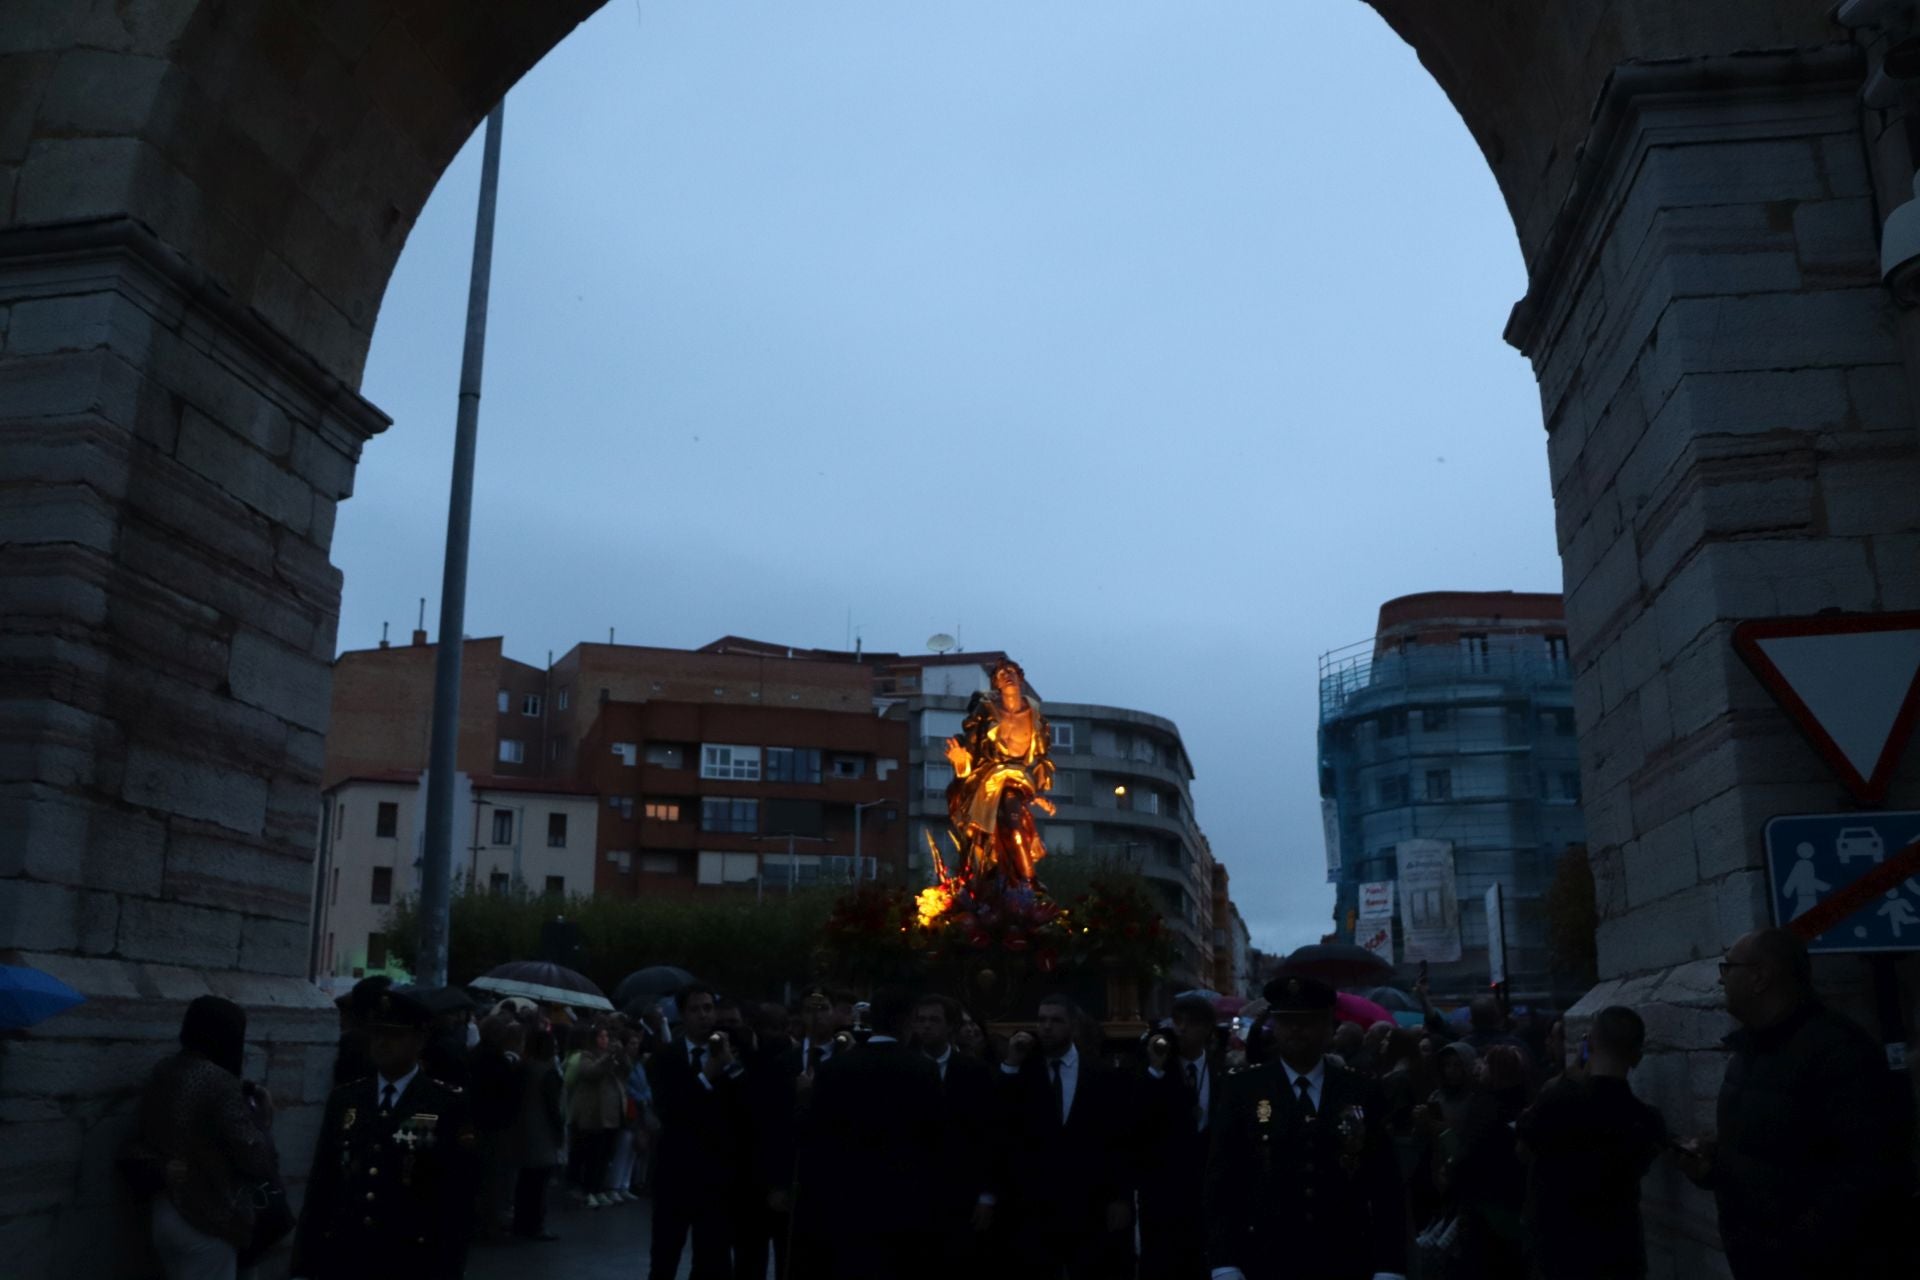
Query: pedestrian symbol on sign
{"points": [[1804, 884]]}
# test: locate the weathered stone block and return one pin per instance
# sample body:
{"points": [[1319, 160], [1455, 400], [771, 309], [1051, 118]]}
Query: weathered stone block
{"points": [[213, 870], [72, 514], [36, 1164], [243, 471], [46, 1068], [194, 788], [1672, 930], [1869, 495], [55, 917], [1896, 566], [1661, 862], [1837, 242], [275, 946], [1837, 327], [290, 684], [101, 93], [176, 933]]}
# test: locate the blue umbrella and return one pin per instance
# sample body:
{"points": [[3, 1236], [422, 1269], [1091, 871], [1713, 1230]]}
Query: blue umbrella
{"points": [[28, 996]]}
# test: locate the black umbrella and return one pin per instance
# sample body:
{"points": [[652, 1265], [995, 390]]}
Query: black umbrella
{"points": [[648, 986], [542, 981], [1340, 963]]}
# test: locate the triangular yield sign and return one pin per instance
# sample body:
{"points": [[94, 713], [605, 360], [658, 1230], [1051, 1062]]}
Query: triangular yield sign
{"points": [[1851, 681]]}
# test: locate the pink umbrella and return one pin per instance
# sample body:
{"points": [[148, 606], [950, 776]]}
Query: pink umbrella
{"points": [[1227, 1006], [1348, 1007]]}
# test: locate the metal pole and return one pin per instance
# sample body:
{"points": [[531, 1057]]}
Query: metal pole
{"points": [[442, 758]]}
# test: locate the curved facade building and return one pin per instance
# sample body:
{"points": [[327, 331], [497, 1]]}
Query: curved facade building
{"points": [[1448, 740]]}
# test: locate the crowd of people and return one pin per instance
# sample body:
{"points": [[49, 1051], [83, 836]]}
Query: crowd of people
{"points": [[903, 1137]]}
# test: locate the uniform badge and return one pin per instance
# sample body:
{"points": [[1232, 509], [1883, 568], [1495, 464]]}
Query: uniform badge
{"points": [[346, 1122], [1263, 1111]]}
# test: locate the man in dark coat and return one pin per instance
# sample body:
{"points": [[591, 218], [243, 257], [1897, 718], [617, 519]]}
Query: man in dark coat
{"points": [[966, 1185], [1070, 1155], [392, 1189], [869, 1148], [697, 1086], [1182, 1083], [1302, 1182], [1810, 1167]]}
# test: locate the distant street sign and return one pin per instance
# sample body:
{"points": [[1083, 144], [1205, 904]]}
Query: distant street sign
{"points": [[1847, 881], [1851, 682]]}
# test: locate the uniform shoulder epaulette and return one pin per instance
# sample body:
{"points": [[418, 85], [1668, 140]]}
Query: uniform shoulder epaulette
{"points": [[450, 1088]]}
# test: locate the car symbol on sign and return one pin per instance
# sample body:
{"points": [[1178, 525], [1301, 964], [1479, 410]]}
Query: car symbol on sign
{"points": [[1860, 842]]}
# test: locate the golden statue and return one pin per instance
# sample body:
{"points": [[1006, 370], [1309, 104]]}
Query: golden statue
{"points": [[1001, 765]]}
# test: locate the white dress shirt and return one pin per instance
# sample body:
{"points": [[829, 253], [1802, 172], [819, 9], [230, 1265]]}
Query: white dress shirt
{"points": [[1069, 1077], [940, 1063], [1316, 1081], [399, 1086]]}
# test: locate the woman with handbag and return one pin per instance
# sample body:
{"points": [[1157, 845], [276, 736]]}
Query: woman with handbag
{"points": [[210, 1133]]}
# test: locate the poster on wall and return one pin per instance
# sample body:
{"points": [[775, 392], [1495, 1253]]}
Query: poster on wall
{"points": [[1374, 926], [1429, 905]]}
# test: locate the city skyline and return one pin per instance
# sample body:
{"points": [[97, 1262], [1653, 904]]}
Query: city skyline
{"points": [[847, 277]]}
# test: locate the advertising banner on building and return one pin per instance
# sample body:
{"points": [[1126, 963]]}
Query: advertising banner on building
{"points": [[1429, 905], [1373, 928]]}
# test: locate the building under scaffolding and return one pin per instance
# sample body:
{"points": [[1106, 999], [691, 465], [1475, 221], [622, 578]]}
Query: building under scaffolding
{"points": [[1454, 724]]}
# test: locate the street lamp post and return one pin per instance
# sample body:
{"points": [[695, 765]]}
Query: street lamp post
{"points": [[436, 872]]}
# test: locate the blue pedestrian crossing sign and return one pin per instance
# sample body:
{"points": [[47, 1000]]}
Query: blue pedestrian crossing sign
{"points": [[1815, 858]]}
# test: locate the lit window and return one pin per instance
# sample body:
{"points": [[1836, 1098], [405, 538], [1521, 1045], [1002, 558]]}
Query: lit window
{"points": [[513, 751], [730, 762], [662, 810]]}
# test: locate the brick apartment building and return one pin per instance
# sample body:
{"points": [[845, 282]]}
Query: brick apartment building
{"points": [[701, 795], [752, 766]]}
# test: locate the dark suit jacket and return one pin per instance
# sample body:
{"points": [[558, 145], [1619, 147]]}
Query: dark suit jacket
{"points": [[972, 1140], [870, 1143], [698, 1151], [393, 1195], [1060, 1179], [1281, 1197], [1173, 1166]]}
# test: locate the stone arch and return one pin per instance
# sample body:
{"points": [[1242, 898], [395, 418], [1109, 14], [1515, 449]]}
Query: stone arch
{"points": [[203, 202]]}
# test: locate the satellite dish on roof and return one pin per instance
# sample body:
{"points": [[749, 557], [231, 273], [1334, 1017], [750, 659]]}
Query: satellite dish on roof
{"points": [[941, 642]]}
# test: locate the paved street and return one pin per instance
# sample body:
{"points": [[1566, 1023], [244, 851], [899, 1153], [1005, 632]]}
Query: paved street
{"points": [[598, 1244]]}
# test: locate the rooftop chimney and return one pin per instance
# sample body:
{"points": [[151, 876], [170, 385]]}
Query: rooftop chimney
{"points": [[419, 636], [384, 644]]}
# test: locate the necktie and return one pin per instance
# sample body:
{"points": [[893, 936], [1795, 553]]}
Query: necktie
{"points": [[1059, 1093], [1306, 1097], [386, 1099]]}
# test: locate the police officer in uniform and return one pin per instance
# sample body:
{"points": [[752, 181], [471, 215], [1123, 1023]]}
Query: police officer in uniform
{"points": [[1301, 1177], [394, 1170]]}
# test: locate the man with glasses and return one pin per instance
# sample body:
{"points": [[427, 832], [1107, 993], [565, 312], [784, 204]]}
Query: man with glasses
{"points": [[1810, 1167]]}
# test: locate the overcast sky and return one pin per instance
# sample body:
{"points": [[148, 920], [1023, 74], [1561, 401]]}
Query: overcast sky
{"points": [[1189, 314]]}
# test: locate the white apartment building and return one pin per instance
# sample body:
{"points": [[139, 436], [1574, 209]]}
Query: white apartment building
{"points": [[540, 833]]}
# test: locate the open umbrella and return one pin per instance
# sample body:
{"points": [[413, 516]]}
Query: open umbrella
{"points": [[1341, 964], [647, 986], [542, 981], [1348, 1007], [1395, 999], [28, 996]]}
